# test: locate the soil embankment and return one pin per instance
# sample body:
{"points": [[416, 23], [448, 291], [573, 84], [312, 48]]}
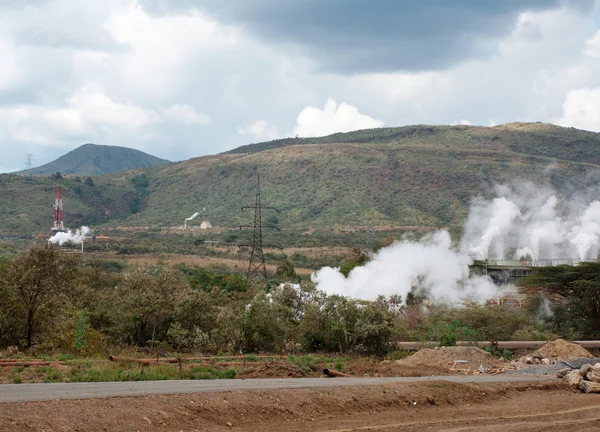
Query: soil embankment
{"points": [[432, 406]]}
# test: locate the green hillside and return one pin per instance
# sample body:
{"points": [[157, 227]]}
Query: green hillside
{"points": [[26, 202], [415, 175], [408, 176], [93, 159]]}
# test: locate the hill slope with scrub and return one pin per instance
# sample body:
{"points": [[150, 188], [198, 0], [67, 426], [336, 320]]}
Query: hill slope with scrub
{"points": [[407, 176]]}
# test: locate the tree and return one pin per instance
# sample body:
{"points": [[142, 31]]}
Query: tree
{"points": [[578, 290], [375, 326], [286, 272], [89, 181], [148, 302], [35, 290], [263, 331]]}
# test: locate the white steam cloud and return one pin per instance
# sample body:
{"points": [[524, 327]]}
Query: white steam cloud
{"points": [[193, 216], [432, 264], [530, 222], [525, 221], [77, 236]]}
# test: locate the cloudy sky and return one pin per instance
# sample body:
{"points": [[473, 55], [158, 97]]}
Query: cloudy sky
{"points": [[185, 78]]}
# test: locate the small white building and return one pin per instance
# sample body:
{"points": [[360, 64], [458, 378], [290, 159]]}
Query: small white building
{"points": [[205, 225]]}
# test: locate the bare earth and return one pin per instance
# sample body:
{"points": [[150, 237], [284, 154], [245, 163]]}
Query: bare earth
{"points": [[548, 406], [200, 261]]}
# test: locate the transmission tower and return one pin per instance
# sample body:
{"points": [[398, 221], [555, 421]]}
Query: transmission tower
{"points": [[28, 160], [256, 265]]}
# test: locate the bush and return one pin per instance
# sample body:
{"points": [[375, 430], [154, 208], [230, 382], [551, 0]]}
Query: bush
{"points": [[53, 375]]}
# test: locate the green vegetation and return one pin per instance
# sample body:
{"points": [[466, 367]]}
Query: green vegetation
{"points": [[28, 203], [93, 159], [130, 372], [409, 176], [59, 306], [578, 287]]}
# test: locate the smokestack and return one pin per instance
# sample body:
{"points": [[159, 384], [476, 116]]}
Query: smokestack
{"points": [[58, 224]]}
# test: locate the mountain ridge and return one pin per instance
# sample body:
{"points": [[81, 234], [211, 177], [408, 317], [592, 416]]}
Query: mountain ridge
{"points": [[96, 159], [409, 176]]}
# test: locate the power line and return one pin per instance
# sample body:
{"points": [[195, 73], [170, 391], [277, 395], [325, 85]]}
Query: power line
{"points": [[256, 264]]}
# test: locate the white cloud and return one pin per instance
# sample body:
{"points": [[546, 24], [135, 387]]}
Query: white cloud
{"points": [[261, 130], [115, 72], [593, 46], [332, 118], [10, 72], [161, 48], [581, 109], [462, 122], [185, 114], [87, 112]]}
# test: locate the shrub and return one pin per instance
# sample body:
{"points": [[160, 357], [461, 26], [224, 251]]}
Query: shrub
{"points": [[53, 375]]}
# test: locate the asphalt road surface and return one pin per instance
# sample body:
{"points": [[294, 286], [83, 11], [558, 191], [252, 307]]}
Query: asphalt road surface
{"points": [[42, 392]]}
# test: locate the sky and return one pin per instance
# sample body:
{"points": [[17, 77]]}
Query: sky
{"points": [[187, 78]]}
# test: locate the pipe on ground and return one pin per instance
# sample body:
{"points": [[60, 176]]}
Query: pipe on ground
{"points": [[141, 361], [25, 364], [194, 359], [334, 373]]}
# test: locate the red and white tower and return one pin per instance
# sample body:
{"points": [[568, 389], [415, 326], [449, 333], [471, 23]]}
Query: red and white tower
{"points": [[58, 220]]}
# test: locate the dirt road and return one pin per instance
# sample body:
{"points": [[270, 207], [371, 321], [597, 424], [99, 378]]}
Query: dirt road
{"points": [[548, 406], [41, 392]]}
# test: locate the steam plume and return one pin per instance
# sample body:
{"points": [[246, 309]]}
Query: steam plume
{"points": [[76, 237], [524, 221], [441, 271]]}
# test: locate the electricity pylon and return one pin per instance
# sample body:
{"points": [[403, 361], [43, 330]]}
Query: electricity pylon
{"points": [[256, 265]]}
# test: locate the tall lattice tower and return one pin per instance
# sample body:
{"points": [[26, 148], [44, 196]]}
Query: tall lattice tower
{"points": [[256, 265], [28, 160]]}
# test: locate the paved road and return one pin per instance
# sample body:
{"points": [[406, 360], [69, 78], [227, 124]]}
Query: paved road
{"points": [[42, 392]]}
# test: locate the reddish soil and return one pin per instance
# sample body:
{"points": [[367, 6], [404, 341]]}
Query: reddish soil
{"points": [[394, 369], [561, 349], [445, 356], [272, 370], [431, 406]]}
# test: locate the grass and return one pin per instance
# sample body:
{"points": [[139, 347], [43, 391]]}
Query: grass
{"points": [[103, 371], [53, 375], [116, 372], [310, 363]]}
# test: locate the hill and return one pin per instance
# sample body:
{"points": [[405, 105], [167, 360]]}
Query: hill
{"points": [[414, 175], [93, 159], [26, 207], [409, 176]]}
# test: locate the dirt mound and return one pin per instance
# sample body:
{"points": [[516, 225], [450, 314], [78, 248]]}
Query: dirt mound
{"points": [[272, 370], [445, 356], [561, 349]]}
